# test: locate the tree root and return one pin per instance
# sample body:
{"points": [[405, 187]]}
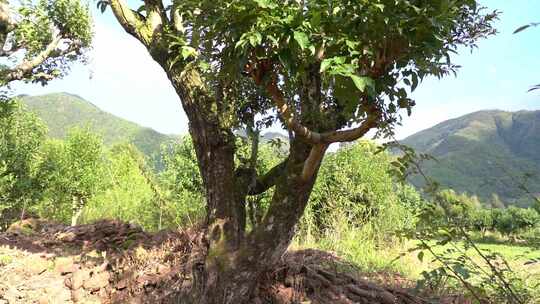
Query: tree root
{"points": [[308, 276]]}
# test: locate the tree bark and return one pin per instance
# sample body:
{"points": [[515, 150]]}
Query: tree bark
{"points": [[77, 209], [235, 280]]}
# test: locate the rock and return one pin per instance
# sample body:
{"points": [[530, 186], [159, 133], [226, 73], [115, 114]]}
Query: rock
{"points": [[97, 281], [78, 278], [122, 284], [47, 255], [77, 295], [91, 299], [43, 300], [36, 265], [162, 269], [102, 267], [68, 283], [65, 266]]}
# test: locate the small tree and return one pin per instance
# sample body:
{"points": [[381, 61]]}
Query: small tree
{"points": [[72, 172], [331, 70], [84, 152], [21, 136], [38, 39]]}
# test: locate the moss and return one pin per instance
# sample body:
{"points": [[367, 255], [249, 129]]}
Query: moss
{"points": [[127, 243], [218, 253]]}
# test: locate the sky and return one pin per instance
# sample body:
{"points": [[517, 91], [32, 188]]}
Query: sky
{"points": [[122, 79]]}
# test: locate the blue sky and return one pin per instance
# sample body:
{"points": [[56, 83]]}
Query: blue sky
{"points": [[122, 79]]}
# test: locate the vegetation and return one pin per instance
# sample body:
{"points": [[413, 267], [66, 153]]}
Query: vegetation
{"points": [[62, 112], [324, 66], [328, 72], [39, 39], [21, 135], [357, 209]]}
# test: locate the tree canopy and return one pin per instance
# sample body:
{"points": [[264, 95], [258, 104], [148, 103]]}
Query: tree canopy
{"points": [[39, 39]]}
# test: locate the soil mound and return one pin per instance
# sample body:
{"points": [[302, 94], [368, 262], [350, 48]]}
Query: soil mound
{"points": [[116, 262]]}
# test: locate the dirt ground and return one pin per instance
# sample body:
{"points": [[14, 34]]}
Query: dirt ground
{"points": [[115, 262]]}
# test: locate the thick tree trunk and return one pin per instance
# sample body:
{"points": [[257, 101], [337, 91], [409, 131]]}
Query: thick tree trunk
{"points": [[235, 280], [232, 262]]}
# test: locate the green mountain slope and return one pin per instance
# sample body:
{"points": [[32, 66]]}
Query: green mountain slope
{"points": [[62, 111], [483, 153]]}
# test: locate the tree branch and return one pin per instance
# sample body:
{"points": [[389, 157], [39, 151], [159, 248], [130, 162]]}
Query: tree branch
{"points": [[6, 22], [19, 72], [313, 161], [300, 130], [131, 21], [155, 15], [268, 180]]}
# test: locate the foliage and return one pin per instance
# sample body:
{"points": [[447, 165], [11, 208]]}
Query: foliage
{"points": [[359, 56], [182, 181], [129, 196], [355, 180], [39, 39], [489, 280], [72, 172], [21, 136], [356, 208]]}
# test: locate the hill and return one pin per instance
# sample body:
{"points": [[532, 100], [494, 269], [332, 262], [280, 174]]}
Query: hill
{"points": [[62, 111], [484, 153]]}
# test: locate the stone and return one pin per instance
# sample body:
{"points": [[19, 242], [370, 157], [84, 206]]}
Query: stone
{"points": [[77, 295], [65, 266], [78, 278], [97, 281]]}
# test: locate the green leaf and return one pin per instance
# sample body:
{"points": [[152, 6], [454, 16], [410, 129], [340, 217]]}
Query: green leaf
{"points": [[188, 51], [462, 271], [363, 82], [522, 28], [421, 256], [302, 39], [266, 4], [326, 63], [255, 39], [414, 82]]}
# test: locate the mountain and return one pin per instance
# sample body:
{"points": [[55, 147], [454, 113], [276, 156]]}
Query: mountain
{"points": [[484, 153], [62, 111]]}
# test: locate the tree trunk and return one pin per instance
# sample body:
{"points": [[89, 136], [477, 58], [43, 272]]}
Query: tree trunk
{"points": [[77, 209], [232, 276], [228, 269]]}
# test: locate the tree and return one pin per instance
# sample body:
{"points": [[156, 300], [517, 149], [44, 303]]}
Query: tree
{"points": [[38, 39], [182, 182], [73, 171], [131, 194], [496, 201], [21, 136], [328, 71]]}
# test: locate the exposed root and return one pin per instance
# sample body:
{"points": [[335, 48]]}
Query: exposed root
{"points": [[320, 277]]}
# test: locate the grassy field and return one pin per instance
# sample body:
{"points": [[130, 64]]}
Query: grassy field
{"points": [[393, 262]]}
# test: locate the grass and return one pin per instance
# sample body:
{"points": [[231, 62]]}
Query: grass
{"points": [[387, 259]]}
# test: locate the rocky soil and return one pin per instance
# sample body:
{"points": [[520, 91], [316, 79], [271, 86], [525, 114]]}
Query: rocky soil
{"points": [[115, 262]]}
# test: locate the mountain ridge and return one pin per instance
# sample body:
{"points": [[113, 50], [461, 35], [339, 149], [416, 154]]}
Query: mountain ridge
{"points": [[62, 111], [483, 153]]}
